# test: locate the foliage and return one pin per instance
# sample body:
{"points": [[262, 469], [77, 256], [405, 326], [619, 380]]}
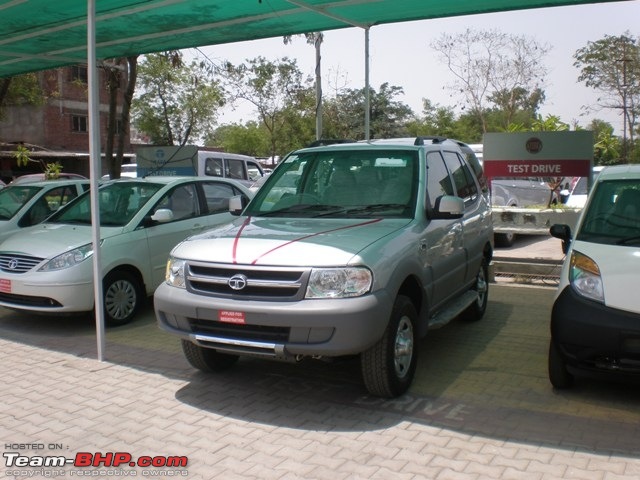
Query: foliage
{"points": [[22, 157], [494, 68], [274, 88], [177, 102], [611, 66], [344, 114], [21, 90], [52, 170]]}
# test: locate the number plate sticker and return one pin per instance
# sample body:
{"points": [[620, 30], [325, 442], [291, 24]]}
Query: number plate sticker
{"points": [[229, 316], [5, 285]]}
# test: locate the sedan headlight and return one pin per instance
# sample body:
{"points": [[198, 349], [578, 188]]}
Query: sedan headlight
{"points": [[68, 259], [174, 275], [339, 282], [585, 277]]}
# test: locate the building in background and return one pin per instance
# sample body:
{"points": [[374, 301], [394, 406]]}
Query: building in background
{"points": [[59, 129]]}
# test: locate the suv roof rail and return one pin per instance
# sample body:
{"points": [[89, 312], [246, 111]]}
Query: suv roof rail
{"points": [[329, 141], [432, 139]]}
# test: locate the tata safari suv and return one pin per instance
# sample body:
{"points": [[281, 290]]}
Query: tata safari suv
{"points": [[347, 249]]}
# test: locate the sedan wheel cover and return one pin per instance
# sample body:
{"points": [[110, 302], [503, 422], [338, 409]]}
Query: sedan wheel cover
{"points": [[120, 299], [403, 351]]}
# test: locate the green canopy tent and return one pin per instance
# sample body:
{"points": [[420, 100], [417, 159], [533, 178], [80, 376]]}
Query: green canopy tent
{"points": [[41, 34]]}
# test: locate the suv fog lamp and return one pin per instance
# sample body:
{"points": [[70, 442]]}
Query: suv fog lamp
{"points": [[339, 282], [585, 277], [174, 274]]}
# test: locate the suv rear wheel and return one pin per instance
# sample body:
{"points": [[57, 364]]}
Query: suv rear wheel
{"points": [[476, 310], [388, 367]]}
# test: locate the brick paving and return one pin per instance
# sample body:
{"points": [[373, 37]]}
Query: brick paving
{"points": [[481, 407]]}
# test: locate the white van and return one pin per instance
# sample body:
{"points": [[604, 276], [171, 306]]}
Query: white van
{"points": [[229, 165], [188, 160]]}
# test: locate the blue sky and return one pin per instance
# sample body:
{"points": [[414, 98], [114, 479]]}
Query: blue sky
{"points": [[400, 54]]}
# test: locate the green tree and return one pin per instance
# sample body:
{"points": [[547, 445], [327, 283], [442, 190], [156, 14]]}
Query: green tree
{"points": [[388, 118], [272, 87], [490, 67], [177, 102], [611, 66], [248, 139], [127, 68], [21, 90]]}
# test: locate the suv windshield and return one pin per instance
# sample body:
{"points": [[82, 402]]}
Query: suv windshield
{"points": [[119, 202], [341, 184], [613, 215]]}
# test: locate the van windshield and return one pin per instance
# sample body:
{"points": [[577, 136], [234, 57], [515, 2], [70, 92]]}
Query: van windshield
{"points": [[613, 214], [341, 184]]}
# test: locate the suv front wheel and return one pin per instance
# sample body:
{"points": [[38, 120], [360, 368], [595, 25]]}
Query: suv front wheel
{"points": [[388, 367]]}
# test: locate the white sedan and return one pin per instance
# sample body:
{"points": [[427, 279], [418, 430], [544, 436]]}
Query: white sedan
{"points": [[25, 204], [47, 268]]}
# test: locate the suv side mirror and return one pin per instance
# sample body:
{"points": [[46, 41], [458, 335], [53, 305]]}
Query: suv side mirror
{"points": [[448, 207], [563, 232], [237, 204]]}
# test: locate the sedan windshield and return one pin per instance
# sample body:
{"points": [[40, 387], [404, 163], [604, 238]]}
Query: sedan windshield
{"points": [[341, 184], [119, 202], [613, 215], [13, 197]]}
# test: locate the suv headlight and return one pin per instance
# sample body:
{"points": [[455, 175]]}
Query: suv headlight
{"points": [[68, 259], [339, 282], [585, 278], [174, 274]]}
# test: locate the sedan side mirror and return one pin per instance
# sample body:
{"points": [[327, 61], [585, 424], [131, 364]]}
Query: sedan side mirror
{"points": [[237, 204]]}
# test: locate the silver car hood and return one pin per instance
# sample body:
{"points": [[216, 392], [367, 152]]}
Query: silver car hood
{"points": [[47, 240], [287, 241]]}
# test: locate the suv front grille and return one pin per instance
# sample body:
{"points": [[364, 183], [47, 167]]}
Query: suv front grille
{"points": [[252, 283], [244, 332], [16, 263]]}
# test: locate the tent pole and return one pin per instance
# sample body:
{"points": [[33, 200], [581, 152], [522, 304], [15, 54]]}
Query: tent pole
{"points": [[95, 170], [367, 99]]}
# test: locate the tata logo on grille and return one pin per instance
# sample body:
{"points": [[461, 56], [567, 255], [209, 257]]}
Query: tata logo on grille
{"points": [[13, 264], [237, 282]]}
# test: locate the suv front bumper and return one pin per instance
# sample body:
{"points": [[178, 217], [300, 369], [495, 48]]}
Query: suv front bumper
{"points": [[592, 336], [322, 327]]}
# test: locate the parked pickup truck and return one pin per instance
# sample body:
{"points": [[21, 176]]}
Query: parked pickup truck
{"points": [[347, 249]]}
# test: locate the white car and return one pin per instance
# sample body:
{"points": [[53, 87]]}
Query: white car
{"points": [[25, 204], [47, 268], [127, 170], [595, 320]]}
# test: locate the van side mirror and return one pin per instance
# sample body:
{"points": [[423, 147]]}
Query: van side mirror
{"points": [[563, 232], [237, 204]]}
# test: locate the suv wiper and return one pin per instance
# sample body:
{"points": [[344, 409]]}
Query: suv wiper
{"points": [[301, 208], [624, 241], [377, 208]]}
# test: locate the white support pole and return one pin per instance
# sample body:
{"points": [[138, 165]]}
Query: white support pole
{"points": [[95, 170], [367, 99]]}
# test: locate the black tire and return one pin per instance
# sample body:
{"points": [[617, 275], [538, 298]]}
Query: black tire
{"points": [[207, 359], [121, 297], [388, 367], [504, 240], [476, 310], [559, 376]]}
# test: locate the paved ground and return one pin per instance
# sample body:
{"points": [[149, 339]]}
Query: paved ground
{"points": [[481, 407]]}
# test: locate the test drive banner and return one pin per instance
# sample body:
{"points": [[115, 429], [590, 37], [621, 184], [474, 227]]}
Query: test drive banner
{"points": [[538, 154]]}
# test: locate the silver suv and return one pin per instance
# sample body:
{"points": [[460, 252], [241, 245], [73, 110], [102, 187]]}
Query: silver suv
{"points": [[347, 249]]}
